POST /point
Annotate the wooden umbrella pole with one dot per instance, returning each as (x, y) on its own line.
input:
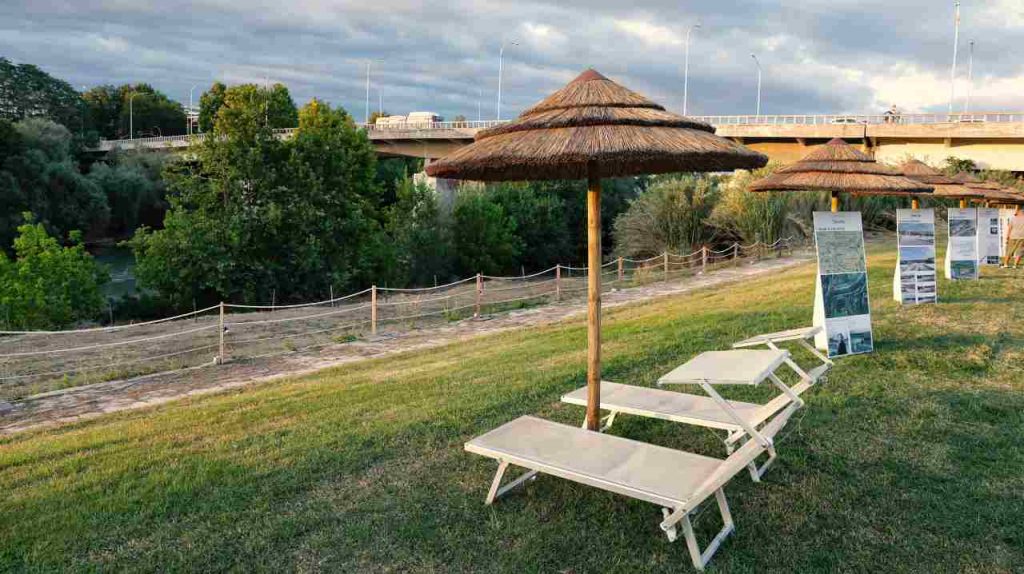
(593, 299)
(835, 201)
(915, 204)
(963, 204)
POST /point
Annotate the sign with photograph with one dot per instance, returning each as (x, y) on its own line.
(841, 304)
(990, 236)
(914, 279)
(962, 251)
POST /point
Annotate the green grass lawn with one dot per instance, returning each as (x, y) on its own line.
(910, 459)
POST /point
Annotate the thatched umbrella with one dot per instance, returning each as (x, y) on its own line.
(988, 190)
(840, 168)
(945, 186)
(590, 129)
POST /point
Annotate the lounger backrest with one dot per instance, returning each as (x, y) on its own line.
(739, 459)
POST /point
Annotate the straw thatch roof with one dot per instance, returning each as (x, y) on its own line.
(989, 190)
(594, 126)
(839, 167)
(944, 185)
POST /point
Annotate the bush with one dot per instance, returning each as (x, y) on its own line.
(48, 286)
(748, 217)
(484, 235)
(669, 216)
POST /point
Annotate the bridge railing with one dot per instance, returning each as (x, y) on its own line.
(415, 126)
(863, 119)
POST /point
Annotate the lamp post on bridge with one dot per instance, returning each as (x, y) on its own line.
(131, 115)
(758, 64)
(952, 70)
(190, 108)
(501, 57)
(970, 77)
(686, 66)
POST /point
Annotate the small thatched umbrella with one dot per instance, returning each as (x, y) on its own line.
(840, 168)
(590, 129)
(945, 186)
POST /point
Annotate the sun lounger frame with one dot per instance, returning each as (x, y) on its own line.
(802, 336)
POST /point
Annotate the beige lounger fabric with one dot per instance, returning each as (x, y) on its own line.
(738, 367)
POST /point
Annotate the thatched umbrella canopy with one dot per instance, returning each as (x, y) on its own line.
(840, 168)
(594, 128)
(945, 186)
(988, 191)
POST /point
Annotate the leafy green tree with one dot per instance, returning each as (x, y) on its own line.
(39, 175)
(255, 215)
(209, 104)
(103, 106)
(954, 165)
(114, 111)
(131, 195)
(48, 286)
(670, 216)
(28, 92)
(421, 235)
(484, 236)
(541, 225)
(616, 195)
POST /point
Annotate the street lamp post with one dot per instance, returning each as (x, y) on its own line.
(366, 119)
(970, 77)
(190, 108)
(952, 70)
(501, 57)
(758, 63)
(131, 115)
(686, 67)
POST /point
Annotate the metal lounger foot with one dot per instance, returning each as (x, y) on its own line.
(496, 490)
(700, 558)
(606, 422)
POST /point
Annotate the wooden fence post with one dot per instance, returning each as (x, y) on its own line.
(479, 293)
(220, 356)
(373, 309)
(558, 282)
(665, 257)
(621, 274)
(703, 258)
(736, 251)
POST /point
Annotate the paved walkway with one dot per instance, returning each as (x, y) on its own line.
(90, 401)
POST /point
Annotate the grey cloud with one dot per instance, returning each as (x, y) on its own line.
(442, 56)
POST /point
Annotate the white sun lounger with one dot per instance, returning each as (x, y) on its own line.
(677, 481)
(803, 336)
(738, 419)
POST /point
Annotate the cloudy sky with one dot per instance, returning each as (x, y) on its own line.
(818, 56)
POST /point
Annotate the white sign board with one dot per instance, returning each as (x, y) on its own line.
(841, 295)
(914, 280)
(990, 236)
(962, 251)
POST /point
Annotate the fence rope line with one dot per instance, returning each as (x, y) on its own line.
(475, 295)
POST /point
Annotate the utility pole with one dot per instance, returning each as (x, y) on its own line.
(367, 117)
(686, 67)
(758, 63)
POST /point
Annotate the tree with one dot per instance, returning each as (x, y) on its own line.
(48, 286)
(255, 216)
(751, 217)
(541, 225)
(114, 111)
(38, 174)
(954, 165)
(483, 235)
(615, 197)
(28, 92)
(667, 217)
(377, 114)
(421, 235)
(209, 104)
(103, 106)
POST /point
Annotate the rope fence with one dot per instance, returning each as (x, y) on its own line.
(33, 362)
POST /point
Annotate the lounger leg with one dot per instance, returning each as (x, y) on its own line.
(497, 490)
(700, 559)
(725, 406)
(606, 422)
(816, 352)
(786, 390)
(799, 371)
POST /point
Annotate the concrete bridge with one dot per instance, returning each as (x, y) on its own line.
(992, 140)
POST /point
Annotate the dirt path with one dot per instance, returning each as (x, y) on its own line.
(90, 401)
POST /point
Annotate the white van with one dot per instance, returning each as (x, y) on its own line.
(389, 122)
(423, 119)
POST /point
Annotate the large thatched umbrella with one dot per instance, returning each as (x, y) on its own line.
(590, 129)
(840, 168)
(945, 186)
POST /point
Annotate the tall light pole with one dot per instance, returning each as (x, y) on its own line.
(366, 119)
(131, 115)
(479, 104)
(952, 70)
(686, 67)
(501, 57)
(970, 77)
(758, 63)
(190, 92)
